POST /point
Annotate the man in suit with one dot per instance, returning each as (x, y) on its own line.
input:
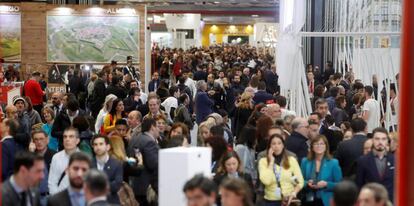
(96, 188)
(8, 130)
(154, 83)
(378, 165)
(146, 144)
(79, 165)
(112, 168)
(57, 102)
(27, 173)
(203, 103)
(349, 151)
(271, 79)
(297, 142)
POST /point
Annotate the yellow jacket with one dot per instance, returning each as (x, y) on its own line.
(109, 126)
(268, 178)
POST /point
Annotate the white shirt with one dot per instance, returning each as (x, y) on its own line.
(59, 163)
(191, 84)
(144, 97)
(374, 114)
(170, 102)
(101, 164)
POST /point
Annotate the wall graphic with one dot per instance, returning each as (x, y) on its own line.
(10, 36)
(95, 39)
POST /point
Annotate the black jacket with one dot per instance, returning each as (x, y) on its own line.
(116, 90)
(130, 104)
(348, 152)
(367, 172)
(296, 143)
(62, 122)
(76, 85)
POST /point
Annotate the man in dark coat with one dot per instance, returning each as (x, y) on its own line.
(271, 79)
(203, 103)
(350, 150)
(297, 141)
(377, 166)
(146, 145)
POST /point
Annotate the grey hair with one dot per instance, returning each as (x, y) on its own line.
(200, 83)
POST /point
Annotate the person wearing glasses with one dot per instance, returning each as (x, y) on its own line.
(321, 173)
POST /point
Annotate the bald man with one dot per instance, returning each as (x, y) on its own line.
(297, 142)
(57, 102)
(134, 122)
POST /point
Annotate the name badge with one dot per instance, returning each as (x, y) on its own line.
(278, 192)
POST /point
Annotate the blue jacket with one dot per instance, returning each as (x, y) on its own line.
(152, 87)
(9, 149)
(367, 172)
(114, 170)
(329, 172)
(204, 106)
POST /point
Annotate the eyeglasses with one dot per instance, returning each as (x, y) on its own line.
(319, 144)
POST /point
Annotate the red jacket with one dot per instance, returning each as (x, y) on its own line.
(33, 90)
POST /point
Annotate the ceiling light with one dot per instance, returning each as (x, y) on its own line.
(255, 15)
(216, 2)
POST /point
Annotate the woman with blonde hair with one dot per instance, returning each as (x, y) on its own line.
(244, 109)
(204, 131)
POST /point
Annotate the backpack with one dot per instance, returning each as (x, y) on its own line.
(126, 195)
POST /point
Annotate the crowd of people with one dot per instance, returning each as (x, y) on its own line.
(100, 140)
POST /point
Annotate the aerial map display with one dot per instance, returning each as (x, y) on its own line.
(10, 37)
(97, 39)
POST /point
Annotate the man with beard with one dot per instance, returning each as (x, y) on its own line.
(79, 165)
(378, 165)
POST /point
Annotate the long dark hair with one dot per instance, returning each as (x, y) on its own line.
(285, 158)
(114, 105)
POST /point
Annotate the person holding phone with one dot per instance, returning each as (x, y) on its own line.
(321, 173)
(279, 173)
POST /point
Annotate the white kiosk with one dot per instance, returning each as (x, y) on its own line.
(176, 166)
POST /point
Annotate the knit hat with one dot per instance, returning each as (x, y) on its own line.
(18, 98)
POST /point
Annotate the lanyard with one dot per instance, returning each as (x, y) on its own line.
(278, 174)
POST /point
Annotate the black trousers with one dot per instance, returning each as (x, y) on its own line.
(316, 202)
